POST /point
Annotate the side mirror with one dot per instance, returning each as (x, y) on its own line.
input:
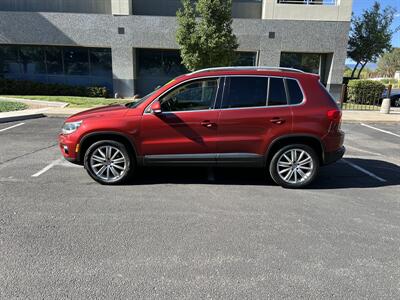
(156, 108)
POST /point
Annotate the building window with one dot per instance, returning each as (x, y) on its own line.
(246, 59)
(308, 62)
(250, 9)
(155, 67)
(67, 65)
(64, 6)
(76, 61)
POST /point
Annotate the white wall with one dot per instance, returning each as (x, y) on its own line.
(340, 12)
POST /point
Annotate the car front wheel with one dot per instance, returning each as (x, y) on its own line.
(294, 166)
(108, 162)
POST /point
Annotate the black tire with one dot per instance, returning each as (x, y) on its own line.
(124, 174)
(310, 175)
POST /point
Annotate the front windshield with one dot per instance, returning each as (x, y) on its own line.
(137, 102)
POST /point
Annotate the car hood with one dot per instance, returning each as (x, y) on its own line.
(110, 110)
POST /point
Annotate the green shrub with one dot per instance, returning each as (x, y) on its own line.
(97, 91)
(364, 91)
(394, 82)
(12, 106)
(22, 87)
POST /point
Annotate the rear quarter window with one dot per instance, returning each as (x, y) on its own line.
(295, 95)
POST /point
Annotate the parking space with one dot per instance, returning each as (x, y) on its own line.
(197, 233)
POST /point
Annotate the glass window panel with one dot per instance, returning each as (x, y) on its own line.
(196, 95)
(78, 80)
(246, 59)
(56, 79)
(171, 63)
(76, 61)
(9, 60)
(150, 62)
(295, 93)
(76, 6)
(32, 60)
(246, 92)
(54, 60)
(277, 93)
(308, 62)
(100, 62)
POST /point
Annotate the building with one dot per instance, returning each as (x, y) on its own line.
(129, 45)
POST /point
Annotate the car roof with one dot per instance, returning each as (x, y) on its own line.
(262, 71)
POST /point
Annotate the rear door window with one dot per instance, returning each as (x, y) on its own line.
(277, 92)
(242, 91)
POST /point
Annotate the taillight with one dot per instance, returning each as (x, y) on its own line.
(334, 115)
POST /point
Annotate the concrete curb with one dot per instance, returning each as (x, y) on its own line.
(36, 102)
(22, 115)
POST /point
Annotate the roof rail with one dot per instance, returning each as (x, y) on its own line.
(247, 68)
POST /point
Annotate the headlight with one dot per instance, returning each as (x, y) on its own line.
(70, 127)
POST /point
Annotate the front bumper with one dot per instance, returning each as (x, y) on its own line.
(331, 157)
(68, 148)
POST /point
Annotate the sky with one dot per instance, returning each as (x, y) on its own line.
(360, 5)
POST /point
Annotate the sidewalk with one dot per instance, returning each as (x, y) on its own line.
(22, 115)
(36, 103)
(356, 116)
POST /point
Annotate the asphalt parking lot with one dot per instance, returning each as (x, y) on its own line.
(188, 234)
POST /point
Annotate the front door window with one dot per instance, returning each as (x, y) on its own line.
(195, 95)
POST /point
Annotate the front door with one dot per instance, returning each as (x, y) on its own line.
(187, 126)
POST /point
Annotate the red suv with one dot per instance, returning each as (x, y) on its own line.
(279, 119)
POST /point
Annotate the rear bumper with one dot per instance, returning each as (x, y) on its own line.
(331, 157)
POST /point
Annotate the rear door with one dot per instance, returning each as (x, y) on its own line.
(254, 110)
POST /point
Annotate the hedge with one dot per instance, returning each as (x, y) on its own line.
(23, 87)
(362, 91)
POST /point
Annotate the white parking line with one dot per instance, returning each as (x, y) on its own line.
(364, 171)
(7, 128)
(363, 151)
(381, 130)
(46, 168)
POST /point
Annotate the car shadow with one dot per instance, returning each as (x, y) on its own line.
(334, 176)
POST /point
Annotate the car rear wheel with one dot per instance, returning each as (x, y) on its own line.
(294, 166)
(108, 162)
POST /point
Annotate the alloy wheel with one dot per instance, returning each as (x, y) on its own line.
(295, 166)
(108, 163)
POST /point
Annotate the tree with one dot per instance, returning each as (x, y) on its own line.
(208, 41)
(389, 63)
(370, 36)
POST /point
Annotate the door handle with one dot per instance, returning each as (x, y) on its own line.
(278, 121)
(208, 124)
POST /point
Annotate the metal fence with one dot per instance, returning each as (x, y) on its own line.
(362, 99)
(308, 2)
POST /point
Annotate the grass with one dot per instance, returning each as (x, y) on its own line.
(75, 102)
(12, 106)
